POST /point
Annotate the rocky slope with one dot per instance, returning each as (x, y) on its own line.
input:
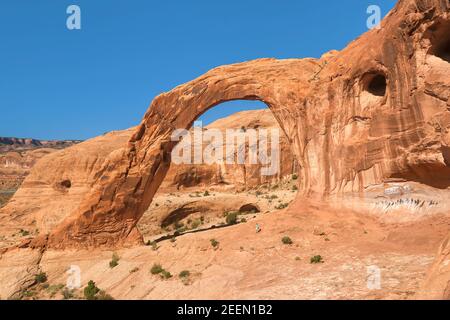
(18, 156)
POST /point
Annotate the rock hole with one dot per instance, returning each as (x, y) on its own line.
(376, 85)
(66, 184)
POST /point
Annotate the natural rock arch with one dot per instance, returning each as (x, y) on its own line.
(129, 180)
(346, 131)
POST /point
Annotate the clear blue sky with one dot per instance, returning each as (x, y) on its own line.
(61, 84)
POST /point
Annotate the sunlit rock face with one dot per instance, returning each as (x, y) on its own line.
(376, 111)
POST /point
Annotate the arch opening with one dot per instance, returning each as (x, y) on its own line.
(198, 195)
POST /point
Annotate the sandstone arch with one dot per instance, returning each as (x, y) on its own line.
(343, 139)
(128, 182)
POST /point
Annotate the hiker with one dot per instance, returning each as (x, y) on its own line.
(258, 228)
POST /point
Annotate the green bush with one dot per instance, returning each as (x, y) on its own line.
(214, 243)
(114, 261)
(195, 224)
(231, 218)
(294, 188)
(286, 240)
(91, 290)
(24, 233)
(184, 274)
(157, 268)
(294, 177)
(166, 274)
(54, 289)
(153, 244)
(282, 206)
(41, 277)
(316, 259)
(206, 194)
(28, 293)
(178, 225)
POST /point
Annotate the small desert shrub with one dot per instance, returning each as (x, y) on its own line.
(184, 274)
(214, 243)
(114, 261)
(294, 177)
(178, 225)
(156, 269)
(54, 289)
(316, 259)
(231, 218)
(282, 206)
(294, 188)
(24, 233)
(258, 193)
(206, 194)
(286, 240)
(67, 294)
(90, 291)
(166, 274)
(28, 293)
(41, 277)
(243, 220)
(195, 224)
(153, 244)
(274, 196)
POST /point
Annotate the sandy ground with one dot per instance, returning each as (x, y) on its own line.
(250, 265)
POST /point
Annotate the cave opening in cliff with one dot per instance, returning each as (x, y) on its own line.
(439, 36)
(196, 194)
(443, 51)
(376, 84)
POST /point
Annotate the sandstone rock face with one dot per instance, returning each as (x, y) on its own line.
(18, 156)
(58, 182)
(234, 176)
(14, 167)
(437, 283)
(378, 109)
